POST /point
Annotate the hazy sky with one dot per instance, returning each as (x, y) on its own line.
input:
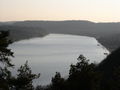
(93, 10)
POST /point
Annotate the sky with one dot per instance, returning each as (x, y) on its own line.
(92, 10)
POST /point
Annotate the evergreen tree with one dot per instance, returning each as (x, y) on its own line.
(57, 82)
(5, 61)
(25, 77)
(82, 75)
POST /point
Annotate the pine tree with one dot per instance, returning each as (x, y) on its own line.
(25, 78)
(82, 75)
(5, 61)
(57, 82)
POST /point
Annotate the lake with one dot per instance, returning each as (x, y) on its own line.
(55, 52)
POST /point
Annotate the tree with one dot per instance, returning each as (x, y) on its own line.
(115, 82)
(40, 88)
(5, 61)
(82, 76)
(112, 82)
(25, 78)
(57, 82)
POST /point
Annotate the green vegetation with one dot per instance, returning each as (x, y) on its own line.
(82, 76)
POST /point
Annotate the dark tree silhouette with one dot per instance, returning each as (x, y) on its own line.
(82, 75)
(5, 61)
(25, 77)
(110, 68)
(57, 82)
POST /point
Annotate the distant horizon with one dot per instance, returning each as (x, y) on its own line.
(59, 10)
(61, 20)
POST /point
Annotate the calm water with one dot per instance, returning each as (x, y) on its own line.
(55, 52)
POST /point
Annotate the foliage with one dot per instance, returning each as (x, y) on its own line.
(25, 78)
(5, 61)
(82, 75)
(57, 82)
(5, 53)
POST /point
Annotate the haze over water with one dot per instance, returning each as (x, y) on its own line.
(55, 52)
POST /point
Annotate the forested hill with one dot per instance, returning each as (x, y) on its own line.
(108, 34)
(20, 33)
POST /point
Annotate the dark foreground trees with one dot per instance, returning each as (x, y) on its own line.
(24, 78)
(57, 82)
(110, 68)
(5, 61)
(82, 76)
(89, 76)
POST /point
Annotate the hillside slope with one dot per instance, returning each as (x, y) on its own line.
(108, 34)
(19, 33)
